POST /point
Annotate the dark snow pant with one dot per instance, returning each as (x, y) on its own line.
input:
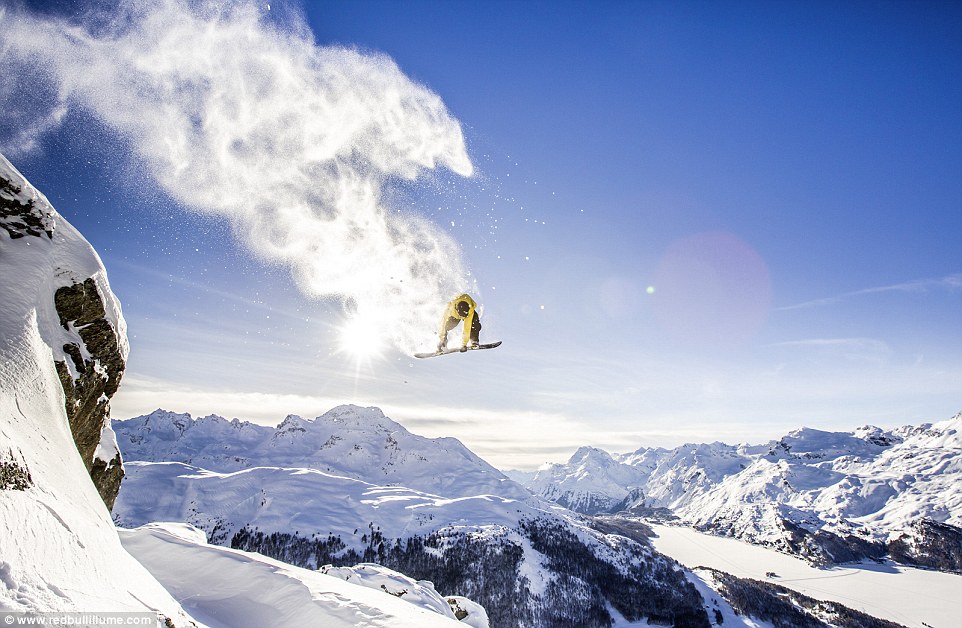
(452, 322)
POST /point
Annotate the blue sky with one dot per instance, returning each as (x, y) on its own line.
(687, 222)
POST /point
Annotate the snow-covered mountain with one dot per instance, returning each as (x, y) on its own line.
(527, 562)
(353, 486)
(828, 496)
(591, 482)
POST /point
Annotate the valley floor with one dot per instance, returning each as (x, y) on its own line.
(912, 597)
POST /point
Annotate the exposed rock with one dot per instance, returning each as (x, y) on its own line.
(929, 544)
(22, 218)
(827, 548)
(14, 474)
(92, 381)
(459, 612)
(97, 359)
(106, 477)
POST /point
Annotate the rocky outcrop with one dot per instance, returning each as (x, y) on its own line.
(92, 381)
(825, 548)
(22, 217)
(59, 549)
(14, 474)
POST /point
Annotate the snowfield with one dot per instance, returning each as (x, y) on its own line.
(287, 500)
(912, 597)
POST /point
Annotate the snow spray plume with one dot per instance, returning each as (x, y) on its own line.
(292, 142)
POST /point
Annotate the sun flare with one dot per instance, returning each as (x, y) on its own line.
(360, 338)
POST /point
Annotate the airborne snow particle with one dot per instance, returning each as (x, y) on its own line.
(298, 145)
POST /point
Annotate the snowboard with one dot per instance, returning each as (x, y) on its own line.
(490, 345)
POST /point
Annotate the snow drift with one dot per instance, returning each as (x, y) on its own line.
(225, 587)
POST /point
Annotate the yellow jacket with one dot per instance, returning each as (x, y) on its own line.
(452, 312)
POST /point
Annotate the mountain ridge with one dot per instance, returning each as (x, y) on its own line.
(828, 496)
(526, 561)
(347, 440)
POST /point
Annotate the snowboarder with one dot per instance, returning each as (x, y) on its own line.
(461, 308)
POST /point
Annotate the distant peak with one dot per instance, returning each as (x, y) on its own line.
(161, 412)
(352, 416)
(955, 422)
(214, 418)
(876, 436)
(590, 453)
(165, 416)
(351, 411)
(291, 422)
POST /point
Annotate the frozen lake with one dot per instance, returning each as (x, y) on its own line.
(913, 597)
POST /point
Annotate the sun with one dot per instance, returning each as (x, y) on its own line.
(360, 338)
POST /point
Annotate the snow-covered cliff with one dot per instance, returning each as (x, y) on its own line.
(59, 550)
